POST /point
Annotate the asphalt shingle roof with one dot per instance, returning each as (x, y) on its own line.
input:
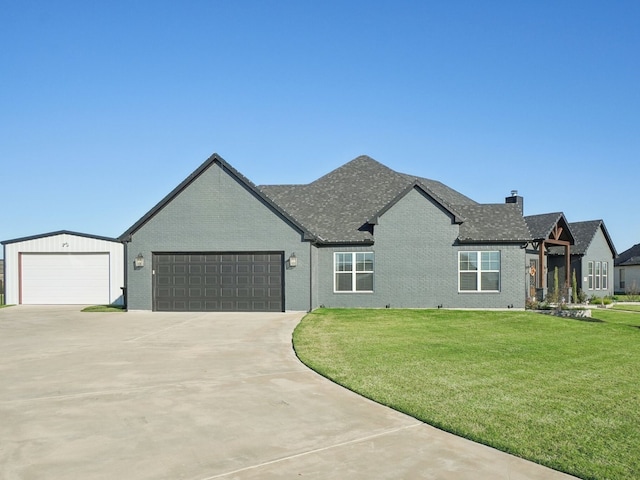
(583, 233)
(342, 205)
(492, 222)
(629, 257)
(540, 226)
(336, 207)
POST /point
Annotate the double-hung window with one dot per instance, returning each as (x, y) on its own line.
(353, 272)
(598, 275)
(479, 271)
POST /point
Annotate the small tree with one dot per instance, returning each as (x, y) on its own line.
(574, 288)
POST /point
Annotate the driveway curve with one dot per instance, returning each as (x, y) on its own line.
(203, 396)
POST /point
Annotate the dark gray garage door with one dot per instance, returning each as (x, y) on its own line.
(241, 282)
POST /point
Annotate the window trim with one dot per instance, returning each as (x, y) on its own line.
(354, 271)
(604, 283)
(479, 271)
(590, 275)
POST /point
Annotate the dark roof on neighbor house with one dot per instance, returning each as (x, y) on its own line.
(541, 226)
(59, 232)
(342, 206)
(629, 257)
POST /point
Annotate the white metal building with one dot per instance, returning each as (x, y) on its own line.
(64, 267)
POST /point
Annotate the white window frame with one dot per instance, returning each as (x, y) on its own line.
(354, 271)
(605, 276)
(479, 270)
(590, 276)
(598, 276)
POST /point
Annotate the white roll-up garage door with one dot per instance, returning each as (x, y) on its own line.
(64, 278)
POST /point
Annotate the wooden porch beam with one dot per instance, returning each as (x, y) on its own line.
(557, 231)
(542, 276)
(558, 242)
(567, 263)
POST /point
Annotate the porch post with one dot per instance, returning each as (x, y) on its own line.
(567, 256)
(542, 278)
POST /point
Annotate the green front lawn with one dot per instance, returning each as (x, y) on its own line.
(630, 308)
(104, 308)
(561, 392)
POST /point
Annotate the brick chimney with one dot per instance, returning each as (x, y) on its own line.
(517, 199)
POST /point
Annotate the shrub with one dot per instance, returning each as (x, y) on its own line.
(582, 297)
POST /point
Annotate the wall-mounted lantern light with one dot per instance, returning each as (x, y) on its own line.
(138, 262)
(293, 260)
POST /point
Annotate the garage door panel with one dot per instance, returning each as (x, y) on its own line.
(164, 269)
(163, 305)
(58, 279)
(232, 282)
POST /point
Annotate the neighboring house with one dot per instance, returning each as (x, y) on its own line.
(2, 275)
(627, 271)
(592, 258)
(361, 236)
(64, 267)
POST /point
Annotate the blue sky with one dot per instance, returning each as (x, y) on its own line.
(106, 106)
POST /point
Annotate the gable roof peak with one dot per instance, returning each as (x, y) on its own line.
(59, 232)
(541, 225)
(359, 167)
(224, 165)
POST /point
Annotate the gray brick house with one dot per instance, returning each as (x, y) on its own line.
(363, 235)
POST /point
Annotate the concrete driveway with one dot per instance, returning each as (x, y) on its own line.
(137, 396)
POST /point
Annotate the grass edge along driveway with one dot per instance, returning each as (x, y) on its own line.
(559, 392)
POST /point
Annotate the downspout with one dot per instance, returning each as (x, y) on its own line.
(125, 255)
(310, 276)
